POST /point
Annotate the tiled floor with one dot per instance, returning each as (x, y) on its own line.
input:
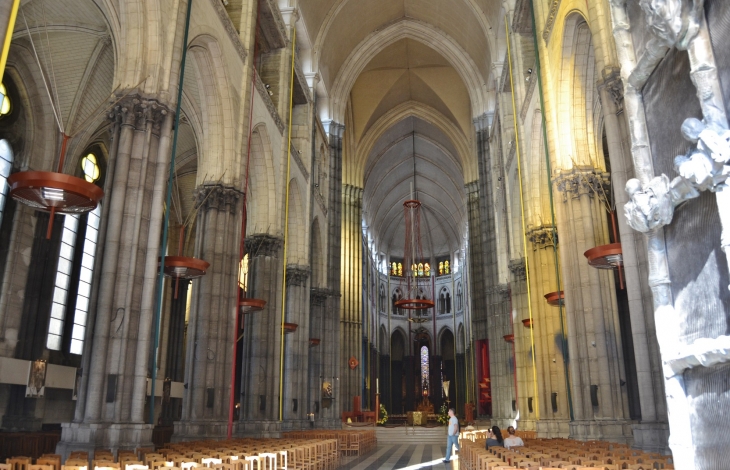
(403, 457)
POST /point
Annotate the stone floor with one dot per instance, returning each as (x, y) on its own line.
(402, 457)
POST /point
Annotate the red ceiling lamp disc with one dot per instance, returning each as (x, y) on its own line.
(54, 192)
(290, 327)
(249, 305)
(555, 299)
(185, 267)
(49, 191)
(314, 341)
(605, 256)
(527, 322)
(509, 338)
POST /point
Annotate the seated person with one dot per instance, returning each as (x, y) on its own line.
(494, 437)
(512, 440)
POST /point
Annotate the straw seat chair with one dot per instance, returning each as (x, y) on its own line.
(19, 463)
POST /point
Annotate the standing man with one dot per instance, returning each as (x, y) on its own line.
(453, 437)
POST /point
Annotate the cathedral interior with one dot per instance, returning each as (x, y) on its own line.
(513, 208)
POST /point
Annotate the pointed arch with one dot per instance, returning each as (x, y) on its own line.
(418, 31)
(217, 112)
(262, 208)
(297, 229)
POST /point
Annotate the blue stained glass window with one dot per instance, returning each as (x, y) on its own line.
(424, 368)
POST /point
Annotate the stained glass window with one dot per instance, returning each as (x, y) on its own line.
(243, 273)
(400, 269)
(427, 269)
(394, 269)
(4, 101)
(420, 269)
(6, 165)
(441, 268)
(424, 369)
(446, 267)
(90, 168)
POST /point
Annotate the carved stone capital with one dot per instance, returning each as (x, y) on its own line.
(263, 244)
(579, 181)
(218, 197)
(139, 112)
(612, 88)
(518, 269)
(318, 296)
(297, 275)
(501, 289)
(543, 236)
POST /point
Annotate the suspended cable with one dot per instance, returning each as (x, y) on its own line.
(522, 218)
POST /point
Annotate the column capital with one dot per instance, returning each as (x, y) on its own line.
(217, 196)
(582, 180)
(138, 111)
(543, 236)
(263, 244)
(297, 275)
(518, 269)
(612, 89)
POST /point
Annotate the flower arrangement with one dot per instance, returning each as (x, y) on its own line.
(443, 416)
(384, 415)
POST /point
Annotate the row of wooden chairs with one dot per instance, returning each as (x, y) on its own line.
(357, 442)
(546, 455)
(238, 454)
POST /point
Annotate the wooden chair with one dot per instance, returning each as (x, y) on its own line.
(54, 461)
(19, 463)
(74, 467)
(75, 462)
(40, 467)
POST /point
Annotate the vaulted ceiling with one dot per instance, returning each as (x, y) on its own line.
(407, 78)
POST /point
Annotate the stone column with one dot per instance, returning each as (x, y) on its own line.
(599, 400)
(212, 316)
(317, 304)
(652, 434)
(548, 334)
(296, 347)
(351, 314)
(492, 319)
(114, 393)
(262, 339)
(175, 363)
(522, 361)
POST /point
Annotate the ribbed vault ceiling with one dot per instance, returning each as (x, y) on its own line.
(412, 100)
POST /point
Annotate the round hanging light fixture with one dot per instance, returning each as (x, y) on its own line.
(605, 256)
(509, 338)
(54, 192)
(290, 327)
(555, 299)
(185, 267)
(527, 322)
(415, 285)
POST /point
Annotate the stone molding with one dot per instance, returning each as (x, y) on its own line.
(297, 275)
(230, 29)
(298, 160)
(272, 24)
(522, 18)
(614, 87)
(518, 269)
(320, 200)
(543, 236)
(218, 197)
(530, 90)
(263, 244)
(550, 22)
(264, 93)
(579, 181)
